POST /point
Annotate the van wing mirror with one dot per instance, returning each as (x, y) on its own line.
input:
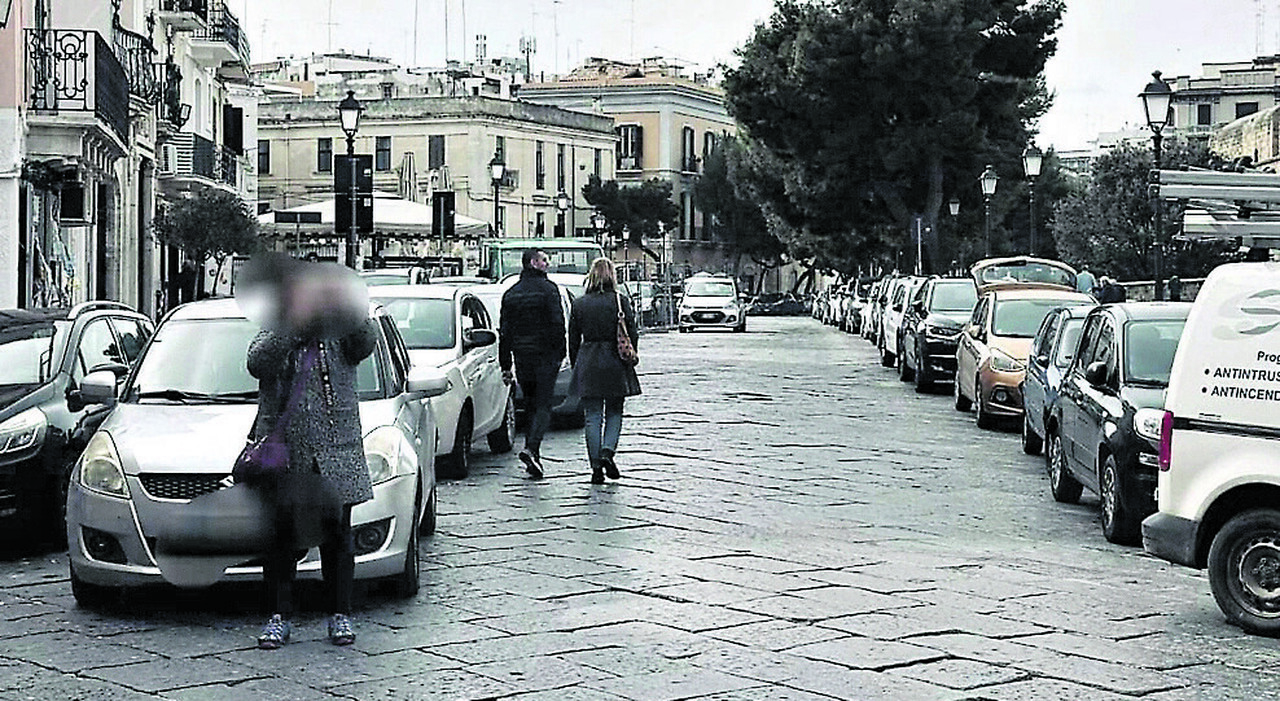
(1096, 373)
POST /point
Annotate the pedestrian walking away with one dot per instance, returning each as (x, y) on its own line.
(1086, 282)
(306, 365)
(601, 377)
(531, 338)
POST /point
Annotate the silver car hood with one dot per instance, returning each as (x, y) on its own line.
(198, 438)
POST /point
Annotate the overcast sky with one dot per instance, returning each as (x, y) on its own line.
(1107, 48)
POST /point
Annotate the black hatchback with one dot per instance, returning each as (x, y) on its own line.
(930, 330)
(44, 422)
(1104, 431)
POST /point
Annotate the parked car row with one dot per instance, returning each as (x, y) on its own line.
(1164, 410)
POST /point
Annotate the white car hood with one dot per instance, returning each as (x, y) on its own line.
(708, 302)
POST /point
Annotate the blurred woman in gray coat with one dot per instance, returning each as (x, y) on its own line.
(600, 376)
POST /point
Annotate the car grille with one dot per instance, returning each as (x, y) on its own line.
(184, 487)
(708, 317)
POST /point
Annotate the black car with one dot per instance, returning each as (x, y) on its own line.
(931, 328)
(1051, 353)
(44, 422)
(1104, 432)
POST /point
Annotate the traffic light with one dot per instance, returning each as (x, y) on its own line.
(442, 219)
(342, 193)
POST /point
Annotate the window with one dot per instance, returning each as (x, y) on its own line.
(630, 147)
(500, 148)
(1069, 337)
(559, 167)
(540, 226)
(540, 166)
(560, 225)
(388, 91)
(1244, 109)
(501, 225)
(708, 144)
(324, 155)
(133, 334)
(688, 159)
(1204, 115)
(684, 215)
(97, 348)
(595, 162)
(264, 157)
(435, 151)
(382, 153)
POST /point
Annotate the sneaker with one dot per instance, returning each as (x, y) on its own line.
(340, 632)
(532, 464)
(610, 467)
(597, 474)
(274, 634)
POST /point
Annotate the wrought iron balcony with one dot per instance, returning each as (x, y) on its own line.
(135, 54)
(75, 70)
(199, 8)
(225, 40)
(191, 155)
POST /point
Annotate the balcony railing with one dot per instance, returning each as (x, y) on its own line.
(135, 54)
(188, 154)
(223, 26)
(195, 7)
(74, 70)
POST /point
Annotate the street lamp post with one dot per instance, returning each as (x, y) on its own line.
(989, 180)
(349, 115)
(953, 206)
(562, 206)
(497, 169)
(1032, 159)
(597, 225)
(1156, 99)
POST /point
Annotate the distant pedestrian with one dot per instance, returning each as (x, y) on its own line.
(1086, 282)
(600, 376)
(531, 336)
(1175, 289)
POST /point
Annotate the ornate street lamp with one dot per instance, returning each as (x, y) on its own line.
(954, 206)
(497, 170)
(349, 111)
(989, 180)
(1032, 159)
(598, 223)
(562, 206)
(1156, 101)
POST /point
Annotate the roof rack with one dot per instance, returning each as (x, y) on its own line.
(97, 304)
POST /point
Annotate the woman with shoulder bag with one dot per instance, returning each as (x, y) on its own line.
(602, 343)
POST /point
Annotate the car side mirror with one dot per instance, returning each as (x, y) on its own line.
(478, 338)
(1096, 373)
(99, 387)
(427, 381)
(1042, 360)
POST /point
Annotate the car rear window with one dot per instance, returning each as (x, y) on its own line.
(1021, 318)
(1149, 349)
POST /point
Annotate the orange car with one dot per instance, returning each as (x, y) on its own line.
(1015, 294)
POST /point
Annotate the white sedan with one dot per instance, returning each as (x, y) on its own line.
(448, 328)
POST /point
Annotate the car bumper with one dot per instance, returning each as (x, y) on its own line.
(711, 319)
(1171, 538)
(110, 543)
(1001, 393)
(941, 357)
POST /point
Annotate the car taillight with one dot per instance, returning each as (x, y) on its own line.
(1166, 441)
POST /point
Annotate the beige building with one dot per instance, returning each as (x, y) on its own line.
(426, 144)
(1223, 93)
(666, 123)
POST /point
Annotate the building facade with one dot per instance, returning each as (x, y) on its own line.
(666, 123)
(1223, 93)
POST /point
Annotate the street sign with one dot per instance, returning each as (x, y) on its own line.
(442, 214)
(343, 175)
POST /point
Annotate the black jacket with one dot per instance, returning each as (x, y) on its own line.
(532, 325)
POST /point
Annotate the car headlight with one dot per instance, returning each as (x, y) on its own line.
(731, 306)
(389, 454)
(1147, 423)
(23, 431)
(1003, 362)
(100, 469)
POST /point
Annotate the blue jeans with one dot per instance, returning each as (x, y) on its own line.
(603, 425)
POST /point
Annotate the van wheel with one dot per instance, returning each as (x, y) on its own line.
(962, 402)
(1065, 488)
(1118, 524)
(1244, 571)
(1031, 441)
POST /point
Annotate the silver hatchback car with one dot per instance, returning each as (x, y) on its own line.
(174, 434)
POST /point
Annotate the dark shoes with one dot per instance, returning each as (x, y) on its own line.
(340, 632)
(274, 634)
(597, 474)
(532, 464)
(610, 467)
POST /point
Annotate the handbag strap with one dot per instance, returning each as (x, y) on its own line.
(617, 297)
(299, 385)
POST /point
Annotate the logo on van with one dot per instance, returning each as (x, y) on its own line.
(1254, 315)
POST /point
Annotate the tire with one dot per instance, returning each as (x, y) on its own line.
(457, 464)
(905, 373)
(502, 438)
(924, 381)
(982, 417)
(1243, 564)
(1119, 525)
(684, 329)
(406, 584)
(962, 402)
(428, 524)
(1031, 441)
(1065, 488)
(886, 358)
(95, 596)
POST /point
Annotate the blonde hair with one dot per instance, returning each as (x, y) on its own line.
(601, 277)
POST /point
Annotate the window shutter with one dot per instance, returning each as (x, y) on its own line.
(639, 147)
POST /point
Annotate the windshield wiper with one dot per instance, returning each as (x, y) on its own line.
(186, 397)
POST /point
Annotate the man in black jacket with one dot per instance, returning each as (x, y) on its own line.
(532, 335)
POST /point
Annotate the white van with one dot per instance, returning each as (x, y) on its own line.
(1218, 489)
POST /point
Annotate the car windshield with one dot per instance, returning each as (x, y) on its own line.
(1025, 271)
(1021, 318)
(576, 261)
(1149, 349)
(25, 352)
(957, 296)
(708, 288)
(379, 279)
(204, 360)
(1068, 339)
(424, 323)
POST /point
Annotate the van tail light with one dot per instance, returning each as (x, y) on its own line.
(1166, 441)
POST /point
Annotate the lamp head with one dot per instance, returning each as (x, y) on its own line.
(1032, 159)
(1156, 98)
(954, 206)
(989, 180)
(497, 168)
(349, 114)
(562, 201)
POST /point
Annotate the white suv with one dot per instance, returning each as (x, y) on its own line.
(1218, 489)
(711, 301)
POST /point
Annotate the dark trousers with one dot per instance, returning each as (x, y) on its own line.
(537, 378)
(337, 564)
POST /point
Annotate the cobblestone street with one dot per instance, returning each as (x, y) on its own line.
(792, 523)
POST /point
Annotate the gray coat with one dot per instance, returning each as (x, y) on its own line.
(593, 347)
(324, 430)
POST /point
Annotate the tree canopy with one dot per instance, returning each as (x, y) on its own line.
(633, 212)
(210, 223)
(870, 113)
(735, 215)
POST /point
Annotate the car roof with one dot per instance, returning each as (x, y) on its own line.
(1004, 292)
(220, 308)
(416, 291)
(1153, 311)
(23, 317)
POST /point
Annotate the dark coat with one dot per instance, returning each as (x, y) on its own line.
(532, 321)
(324, 430)
(593, 346)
